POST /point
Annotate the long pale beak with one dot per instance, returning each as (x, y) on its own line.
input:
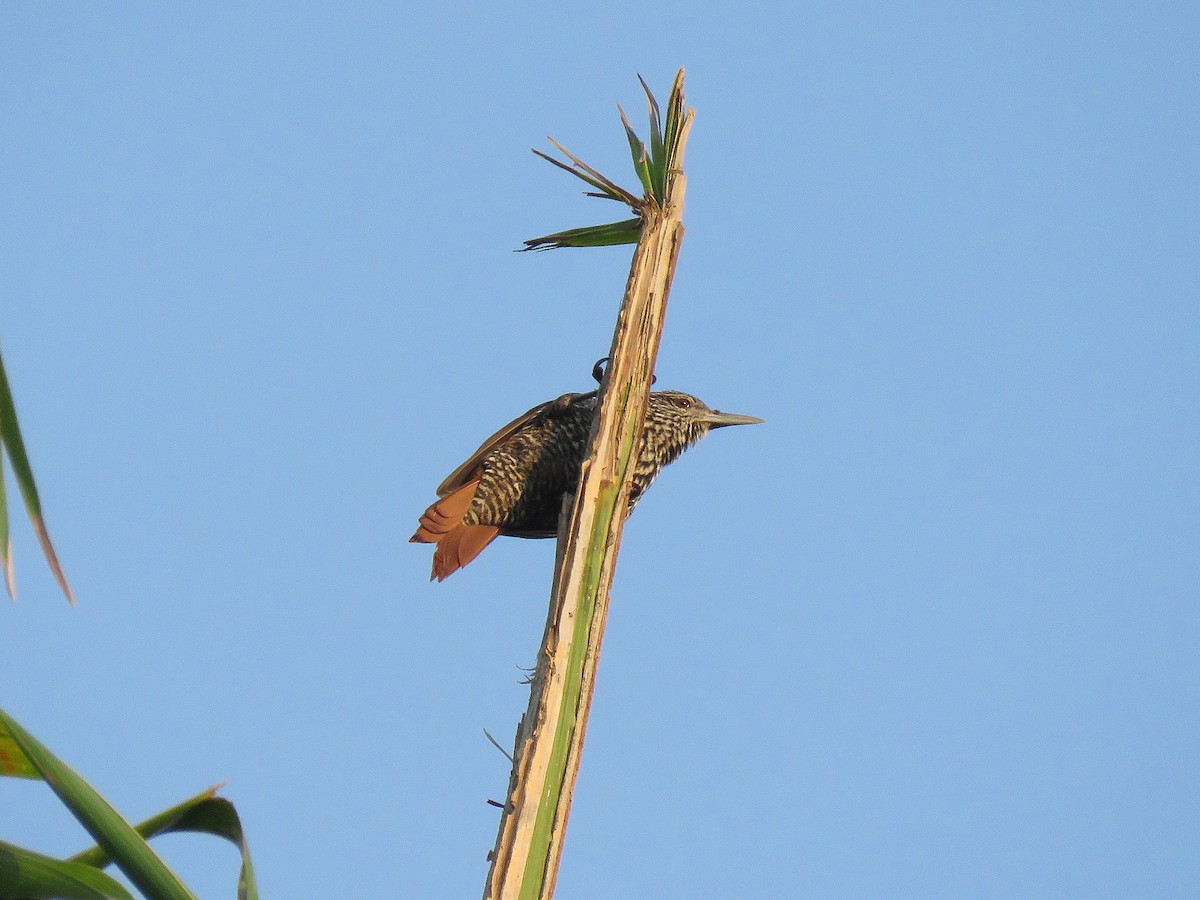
(718, 419)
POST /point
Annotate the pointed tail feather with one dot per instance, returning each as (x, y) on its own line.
(457, 544)
(445, 514)
(459, 547)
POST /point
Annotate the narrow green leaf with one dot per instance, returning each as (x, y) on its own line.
(6, 558)
(595, 173)
(675, 117)
(656, 132)
(641, 163)
(218, 816)
(593, 177)
(10, 439)
(203, 813)
(128, 849)
(599, 196)
(161, 823)
(658, 155)
(612, 234)
(32, 876)
(596, 183)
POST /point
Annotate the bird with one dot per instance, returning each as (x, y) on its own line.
(514, 483)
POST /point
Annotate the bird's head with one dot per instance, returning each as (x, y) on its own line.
(675, 421)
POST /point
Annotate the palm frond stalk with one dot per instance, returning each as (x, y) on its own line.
(550, 736)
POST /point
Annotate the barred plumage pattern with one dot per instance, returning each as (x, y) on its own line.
(523, 480)
(514, 484)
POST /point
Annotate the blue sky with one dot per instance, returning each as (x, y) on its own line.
(929, 632)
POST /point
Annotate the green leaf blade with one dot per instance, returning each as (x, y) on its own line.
(32, 876)
(204, 813)
(613, 234)
(14, 446)
(129, 850)
(658, 154)
(6, 557)
(641, 162)
(602, 187)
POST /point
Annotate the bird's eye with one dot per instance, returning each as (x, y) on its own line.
(686, 403)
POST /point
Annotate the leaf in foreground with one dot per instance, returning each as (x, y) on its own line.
(32, 876)
(129, 850)
(12, 443)
(205, 814)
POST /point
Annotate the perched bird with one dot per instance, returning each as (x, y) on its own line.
(515, 482)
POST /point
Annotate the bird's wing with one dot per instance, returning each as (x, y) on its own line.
(466, 471)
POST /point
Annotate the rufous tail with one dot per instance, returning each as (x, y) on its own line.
(457, 544)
